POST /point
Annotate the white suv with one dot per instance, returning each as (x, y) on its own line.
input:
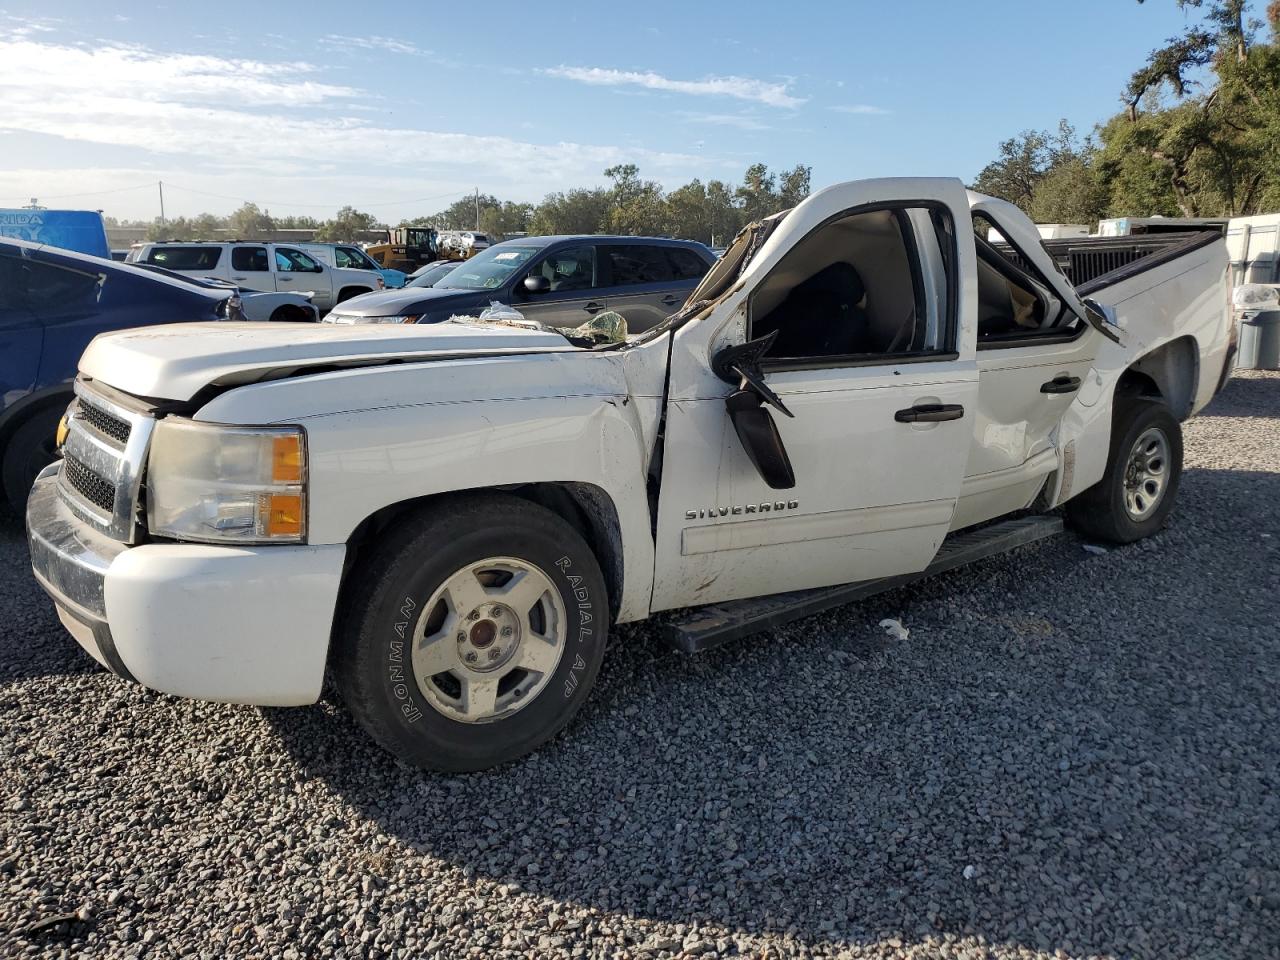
(261, 266)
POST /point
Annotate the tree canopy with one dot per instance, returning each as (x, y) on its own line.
(1199, 135)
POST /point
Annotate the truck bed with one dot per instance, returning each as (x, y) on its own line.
(1092, 263)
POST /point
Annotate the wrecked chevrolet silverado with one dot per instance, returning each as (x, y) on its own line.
(449, 520)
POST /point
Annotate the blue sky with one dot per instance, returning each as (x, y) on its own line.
(400, 108)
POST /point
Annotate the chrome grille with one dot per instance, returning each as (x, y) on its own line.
(107, 424)
(101, 493)
(103, 459)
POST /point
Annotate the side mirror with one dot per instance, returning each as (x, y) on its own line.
(760, 438)
(536, 283)
(756, 430)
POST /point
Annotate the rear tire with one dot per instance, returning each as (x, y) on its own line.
(31, 448)
(1144, 468)
(473, 633)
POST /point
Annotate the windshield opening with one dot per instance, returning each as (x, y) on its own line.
(489, 269)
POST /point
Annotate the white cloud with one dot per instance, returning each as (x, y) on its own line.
(251, 120)
(742, 121)
(390, 44)
(19, 28)
(135, 74)
(740, 88)
(862, 109)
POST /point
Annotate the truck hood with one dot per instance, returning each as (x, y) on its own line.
(177, 361)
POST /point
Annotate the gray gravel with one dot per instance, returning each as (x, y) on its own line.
(1073, 754)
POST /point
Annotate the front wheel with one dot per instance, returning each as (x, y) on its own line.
(1144, 468)
(474, 634)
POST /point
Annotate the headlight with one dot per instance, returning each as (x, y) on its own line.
(225, 484)
(350, 318)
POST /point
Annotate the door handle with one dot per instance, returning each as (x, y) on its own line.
(670, 300)
(1061, 384)
(285, 279)
(239, 278)
(592, 307)
(930, 413)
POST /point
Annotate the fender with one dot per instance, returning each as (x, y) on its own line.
(1181, 301)
(53, 395)
(377, 437)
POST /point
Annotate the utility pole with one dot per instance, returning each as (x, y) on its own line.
(477, 208)
(160, 184)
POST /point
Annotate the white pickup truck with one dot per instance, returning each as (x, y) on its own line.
(449, 519)
(265, 267)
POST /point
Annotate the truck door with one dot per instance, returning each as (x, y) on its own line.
(863, 295)
(251, 269)
(1034, 352)
(298, 273)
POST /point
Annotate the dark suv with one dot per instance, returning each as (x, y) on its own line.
(560, 281)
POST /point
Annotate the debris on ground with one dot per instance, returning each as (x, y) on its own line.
(894, 628)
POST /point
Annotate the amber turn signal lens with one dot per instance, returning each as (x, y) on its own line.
(283, 514)
(61, 437)
(286, 459)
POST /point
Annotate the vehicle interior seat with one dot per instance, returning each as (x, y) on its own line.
(566, 273)
(823, 315)
(1005, 306)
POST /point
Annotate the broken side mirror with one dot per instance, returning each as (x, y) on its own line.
(1104, 318)
(760, 438)
(754, 425)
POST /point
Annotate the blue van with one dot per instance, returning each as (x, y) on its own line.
(80, 230)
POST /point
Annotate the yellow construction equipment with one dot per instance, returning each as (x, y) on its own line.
(407, 248)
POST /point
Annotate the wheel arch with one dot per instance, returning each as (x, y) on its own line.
(584, 506)
(346, 293)
(18, 413)
(1171, 372)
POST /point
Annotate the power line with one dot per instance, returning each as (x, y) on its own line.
(97, 193)
(330, 204)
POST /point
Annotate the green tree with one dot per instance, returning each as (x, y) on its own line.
(1215, 149)
(793, 185)
(1023, 163)
(574, 211)
(346, 226)
(757, 196)
(250, 223)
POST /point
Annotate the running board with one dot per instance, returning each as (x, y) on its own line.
(702, 628)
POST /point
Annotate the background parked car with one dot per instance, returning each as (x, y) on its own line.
(261, 266)
(52, 303)
(560, 281)
(254, 304)
(348, 256)
(429, 275)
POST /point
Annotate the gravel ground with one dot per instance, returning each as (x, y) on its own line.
(1072, 754)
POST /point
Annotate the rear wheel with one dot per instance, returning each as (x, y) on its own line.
(31, 448)
(474, 634)
(1144, 468)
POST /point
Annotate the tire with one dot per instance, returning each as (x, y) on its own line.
(288, 314)
(30, 449)
(348, 292)
(415, 586)
(1138, 489)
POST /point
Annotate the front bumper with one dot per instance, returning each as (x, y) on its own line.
(238, 624)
